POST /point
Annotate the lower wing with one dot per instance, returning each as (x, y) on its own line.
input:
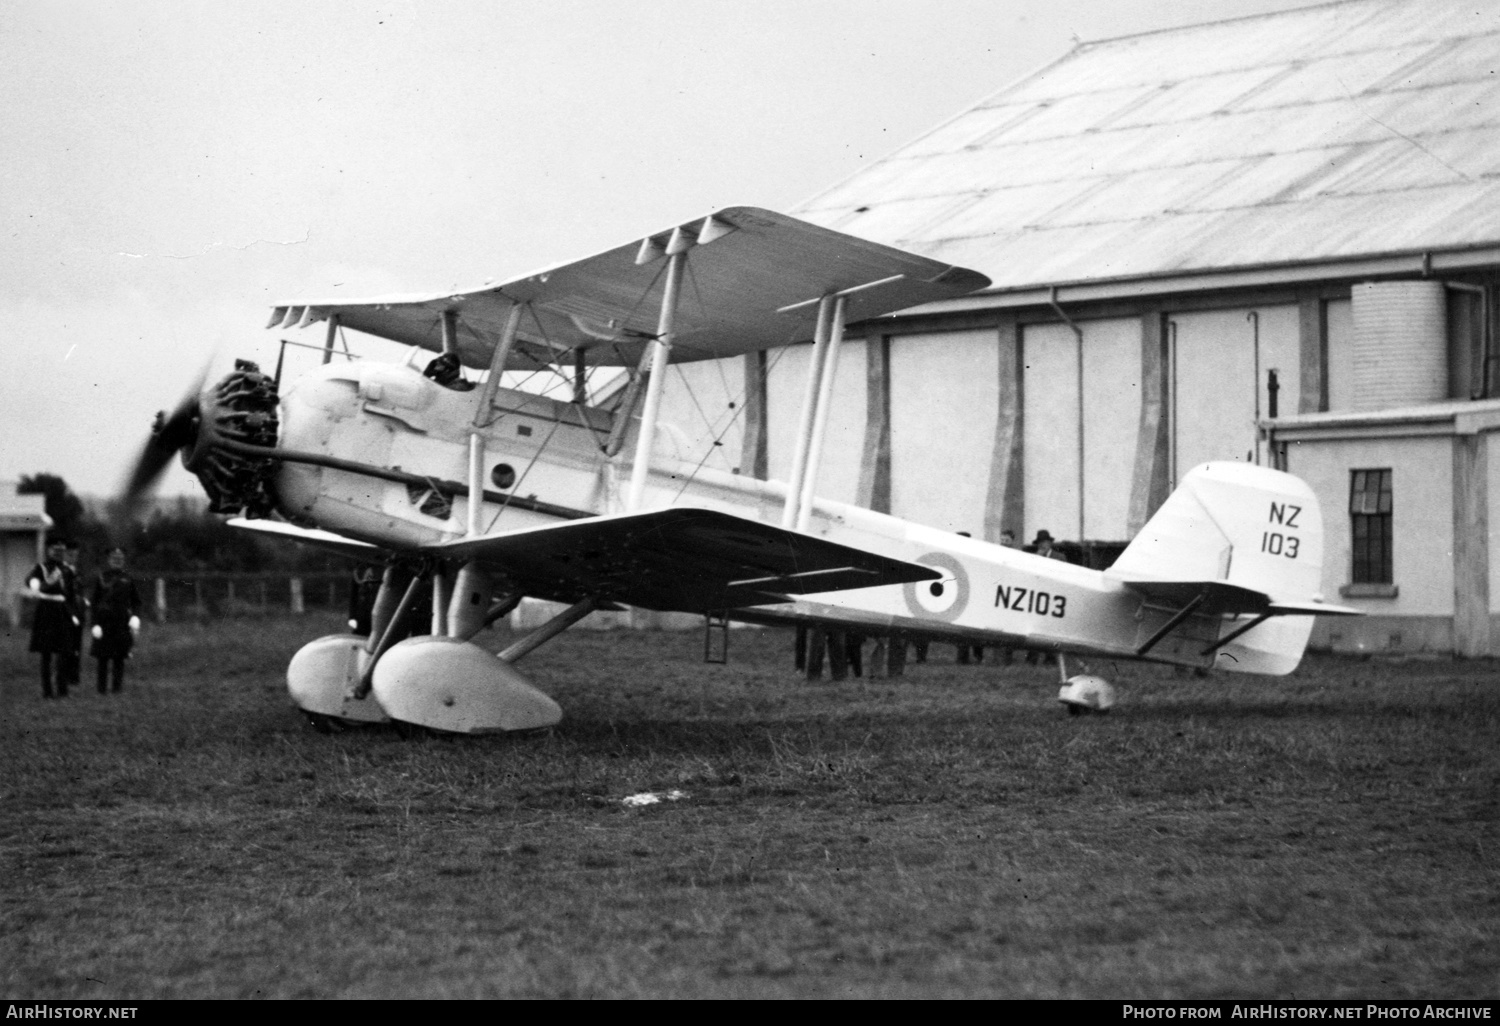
(683, 559)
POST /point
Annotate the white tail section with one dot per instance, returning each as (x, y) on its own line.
(1257, 531)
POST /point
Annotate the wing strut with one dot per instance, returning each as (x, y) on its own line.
(661, 348)
(817, 399)
(820, 418)
(482, 415)
(332, 336)
(1226, 639)
(549, 630)
(1171, 625)
(810, 402)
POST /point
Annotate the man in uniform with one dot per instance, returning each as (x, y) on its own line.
(69, 669)
(54, 628)
(117, 607)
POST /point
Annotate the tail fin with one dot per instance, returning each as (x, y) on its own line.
(1232, 548)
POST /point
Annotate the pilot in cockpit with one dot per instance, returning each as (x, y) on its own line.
(446, 371)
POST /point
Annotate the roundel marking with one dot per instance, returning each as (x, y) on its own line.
(943, 599)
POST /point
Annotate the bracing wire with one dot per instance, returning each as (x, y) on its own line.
(739, 409)
(515, 489)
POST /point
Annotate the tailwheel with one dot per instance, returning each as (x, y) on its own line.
(1086, 693)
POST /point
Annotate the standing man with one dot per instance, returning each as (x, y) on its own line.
(966, 651)
(69, 668)
(1043, 545)
(55, 626)
(1004, 654)
(117, 607)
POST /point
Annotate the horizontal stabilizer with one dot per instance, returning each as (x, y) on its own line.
(1221, 598)
(687, 560)
(1313, 609)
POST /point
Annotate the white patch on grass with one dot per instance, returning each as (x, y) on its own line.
(635, 801)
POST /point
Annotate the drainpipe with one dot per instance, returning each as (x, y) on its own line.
(1254, 318)
(1078, 333)
(1172, 400)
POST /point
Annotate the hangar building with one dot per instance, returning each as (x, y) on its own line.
(1273, 239)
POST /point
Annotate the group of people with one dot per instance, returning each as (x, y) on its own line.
(110, 609)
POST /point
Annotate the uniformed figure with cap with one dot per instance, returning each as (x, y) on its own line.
(54, 628)
(117, 620)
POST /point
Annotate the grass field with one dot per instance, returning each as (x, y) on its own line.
(952, 833)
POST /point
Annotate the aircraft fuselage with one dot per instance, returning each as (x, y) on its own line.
(538, 452)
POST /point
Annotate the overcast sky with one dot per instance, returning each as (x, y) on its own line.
(169, 171)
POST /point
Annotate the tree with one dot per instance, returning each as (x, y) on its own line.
(65, 508)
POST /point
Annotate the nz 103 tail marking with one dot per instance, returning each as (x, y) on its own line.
(1281, 543)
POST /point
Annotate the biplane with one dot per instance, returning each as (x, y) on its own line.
(476, 495)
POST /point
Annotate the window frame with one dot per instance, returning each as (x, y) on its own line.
(1371, 519)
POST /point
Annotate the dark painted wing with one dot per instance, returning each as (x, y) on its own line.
(688, 560)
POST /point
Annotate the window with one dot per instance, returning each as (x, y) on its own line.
(1370, 513)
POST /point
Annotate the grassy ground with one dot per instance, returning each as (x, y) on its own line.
(1333, 833)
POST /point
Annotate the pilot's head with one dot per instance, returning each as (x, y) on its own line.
(444, 369)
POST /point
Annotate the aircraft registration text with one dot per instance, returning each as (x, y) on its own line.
(1029, 600)
(1281, 543)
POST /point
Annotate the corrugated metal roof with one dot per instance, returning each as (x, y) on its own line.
(1331, 132)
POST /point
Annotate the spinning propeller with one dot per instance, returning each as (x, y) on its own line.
(227, 436)
(170, 434)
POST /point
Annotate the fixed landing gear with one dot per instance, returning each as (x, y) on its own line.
(457, 687)
(438, 682)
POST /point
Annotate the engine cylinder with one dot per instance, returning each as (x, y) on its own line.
(240, 408)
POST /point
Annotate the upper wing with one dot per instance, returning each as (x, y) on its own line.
(744, 264)
(690, 560)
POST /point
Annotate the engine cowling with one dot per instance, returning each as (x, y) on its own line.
(241, 408)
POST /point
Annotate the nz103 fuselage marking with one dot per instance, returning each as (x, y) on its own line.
(1030, 600)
